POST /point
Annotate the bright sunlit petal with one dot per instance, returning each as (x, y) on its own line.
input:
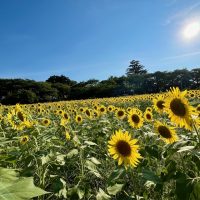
(191, 30)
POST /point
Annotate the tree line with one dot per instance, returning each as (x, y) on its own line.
(136, 81)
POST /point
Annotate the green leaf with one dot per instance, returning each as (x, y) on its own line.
(196, 192)
(21, 189)
(7, 177)
(150, 176)
(45, 159)
(80, 193)
(90, 143)
(92, 168)
(183, 186)
(101, 195)
(95, 161)
(116, 174)
(72, 153)
(61, 159)
(186, 148)
(14, 188)
(114, 189)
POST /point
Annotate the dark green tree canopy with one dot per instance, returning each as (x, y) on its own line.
(58, 88)
(61, 79)
(135, 68)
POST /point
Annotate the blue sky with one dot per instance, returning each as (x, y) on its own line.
(85, 39)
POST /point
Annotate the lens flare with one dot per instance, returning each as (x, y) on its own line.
(191, 30)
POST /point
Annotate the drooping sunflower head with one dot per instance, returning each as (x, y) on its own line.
(135, 118)
(24, 139)
(124, 149)
(20, 116)
(166, 133)
(158, 104)
(178, 108)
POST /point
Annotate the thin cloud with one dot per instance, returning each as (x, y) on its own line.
(182, 55)
(182, 14)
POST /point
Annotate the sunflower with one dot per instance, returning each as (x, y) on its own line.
(178, 108)
(59, 112)
(46, 122)
(66, 116)
(148, 116)
(159, 104)
(102, 109)
(81, 109)
(167, 134)
(135, 118)
(149, 109)
(79, 119)
(95, 113)
(123, 148)
(120, 113)
(18, 119)
(20, 116)
(110, 108)
(198, 108)
(24, 139)
(88, 113)
(128, 109)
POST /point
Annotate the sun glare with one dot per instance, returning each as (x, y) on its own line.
(191, 30)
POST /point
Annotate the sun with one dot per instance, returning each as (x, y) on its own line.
(191, 30)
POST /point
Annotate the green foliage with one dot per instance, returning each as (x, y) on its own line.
(58, 88)
(13, 187)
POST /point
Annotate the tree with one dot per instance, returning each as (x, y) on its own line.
(135, 68)
(60, 79)
(63, 90)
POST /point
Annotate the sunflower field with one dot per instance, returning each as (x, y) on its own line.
(131, 147)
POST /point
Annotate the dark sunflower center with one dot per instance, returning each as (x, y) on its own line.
(148, 116)
(198, 108)
(87, 112)
(66, 116)
(160, 104)
(24, 139)
(123, 148)
(135, 118)
(178, 107)
(46, 121)
(102, 109)
(164, 132)
(79, 119)
(120, 113)
(20, 116)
